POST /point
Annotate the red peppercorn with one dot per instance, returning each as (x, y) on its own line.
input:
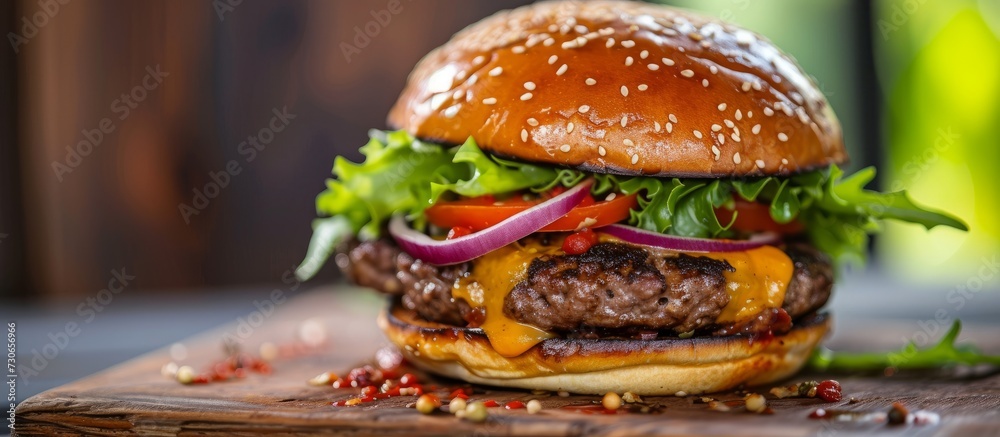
(458, 231)
(829, 390)
(579, 242)
(407, 380)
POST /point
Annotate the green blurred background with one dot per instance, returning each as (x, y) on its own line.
(916, 84)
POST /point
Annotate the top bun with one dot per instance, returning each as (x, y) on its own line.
(622, 87)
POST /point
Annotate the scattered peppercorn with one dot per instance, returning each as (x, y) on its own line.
(476, 412)
(612, 401)
(897, 414)
(534, 406)
(427, 403)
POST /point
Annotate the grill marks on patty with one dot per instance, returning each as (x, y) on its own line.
(610, 288)
(619, 286)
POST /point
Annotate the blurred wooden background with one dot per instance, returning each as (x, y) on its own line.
(227, 68)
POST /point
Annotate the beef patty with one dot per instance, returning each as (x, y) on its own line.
(612, 287)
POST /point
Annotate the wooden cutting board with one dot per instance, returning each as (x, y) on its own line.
(134, 398)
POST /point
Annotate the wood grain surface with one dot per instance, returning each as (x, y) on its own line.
(134, 398)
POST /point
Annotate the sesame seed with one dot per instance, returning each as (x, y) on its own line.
(569, 128)
(518, 49)
(722, 106)
(687, 73)
(697, 134)
(611, 197)
(644, 54)
(451, 112)
(490, 101)
(784, 161)
(704, 83)
(530, 86)
(569, 44)
(606, 31)
(749, 114)
(624, 120)
(756, 86)
(760, 163)
(590, 81)
(696, 36)
(526, 96)
(496, 71)
(628, 43)
(729, 123)
(562, 70)
(643, 87)
(564, 147)
(716, 128)
(667, 61)
(736, 158)
(782, 136)
(473, 79)
(548, 42)
(524, 135)
(744, 38)
(628, 61)
(735, 136)
(713, 69)
(532, 122)
(768, 112)
(628, 142)
(716, 152)
(802, 115)
(670, 127)
(553, 27)
(553, 59)
(579, 28)
(653, 67)
(584, 109)
(755, 129)
(460, 76)
(635, 158)
(601, 151)
(739, 115)
(610, 43)
(478, 60)
(456, 95)
(656, 126)
(624, 91)
(745, 87)
(672, 118)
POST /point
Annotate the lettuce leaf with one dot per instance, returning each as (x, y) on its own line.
(403, 175)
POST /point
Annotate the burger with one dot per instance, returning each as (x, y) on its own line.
(604, 196)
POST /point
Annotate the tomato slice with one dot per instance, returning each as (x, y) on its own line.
(479, 213)
(755, 217)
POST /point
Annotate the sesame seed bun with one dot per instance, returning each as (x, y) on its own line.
(597, 366)
(625, 88)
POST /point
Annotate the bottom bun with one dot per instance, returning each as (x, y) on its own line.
(597, 366)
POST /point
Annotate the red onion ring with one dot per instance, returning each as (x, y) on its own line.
(472, 246)
(687, 244)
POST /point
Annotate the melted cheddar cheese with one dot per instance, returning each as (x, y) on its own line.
(759, 282)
